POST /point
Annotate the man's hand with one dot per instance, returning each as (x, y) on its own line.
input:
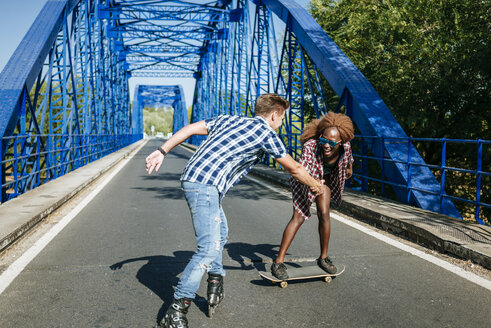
(300, 173)
(319, 188)
(154, 161)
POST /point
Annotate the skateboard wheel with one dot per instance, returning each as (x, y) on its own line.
(283, 284)
(328, 279)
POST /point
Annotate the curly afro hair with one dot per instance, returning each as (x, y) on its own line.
(343, 123)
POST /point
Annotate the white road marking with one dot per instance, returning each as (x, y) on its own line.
(19, 265)
(430, 258)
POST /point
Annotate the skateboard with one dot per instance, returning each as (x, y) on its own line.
(304, 272)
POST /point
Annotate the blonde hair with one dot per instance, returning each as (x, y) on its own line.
(270, 102)
(343, 123)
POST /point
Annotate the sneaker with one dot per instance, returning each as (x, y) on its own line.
(326, 265)
(279, 271)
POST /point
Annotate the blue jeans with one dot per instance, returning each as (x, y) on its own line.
(211, 230)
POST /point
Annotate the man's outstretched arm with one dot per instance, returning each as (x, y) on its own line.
(297, 171)
(156, 158)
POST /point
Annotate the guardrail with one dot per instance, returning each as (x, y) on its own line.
(29, 161)
(463, 172)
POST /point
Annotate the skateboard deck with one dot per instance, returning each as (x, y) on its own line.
(304, 272)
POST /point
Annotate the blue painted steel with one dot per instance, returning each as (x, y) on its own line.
(165, 38)
(24, 65)
(163, 96)
(60, 106)
(479, 173)
(239, 63)
(362, 176)
(368, 111)
(180, 119)
(89, 49)
(443, 170)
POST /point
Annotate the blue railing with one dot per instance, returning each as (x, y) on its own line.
(31, 160)
(463, 172)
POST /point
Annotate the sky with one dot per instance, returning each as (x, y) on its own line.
(16, 17)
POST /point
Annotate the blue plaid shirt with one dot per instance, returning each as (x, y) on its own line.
(233, 146)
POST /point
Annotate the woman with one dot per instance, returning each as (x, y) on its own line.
(326, 154)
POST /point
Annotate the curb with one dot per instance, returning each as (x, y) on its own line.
(445, 234)
(38, 203)
(420, 226)
(417, 225)
(468, 241)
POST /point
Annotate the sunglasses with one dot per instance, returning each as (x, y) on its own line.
(331, 143)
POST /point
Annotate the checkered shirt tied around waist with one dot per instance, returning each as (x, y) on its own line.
(311, 159)
(233, 146)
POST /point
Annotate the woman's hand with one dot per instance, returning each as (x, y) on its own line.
(154, 161)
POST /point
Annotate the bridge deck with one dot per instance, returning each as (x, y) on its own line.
(141, 224)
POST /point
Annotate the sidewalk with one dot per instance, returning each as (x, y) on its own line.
(468, 241)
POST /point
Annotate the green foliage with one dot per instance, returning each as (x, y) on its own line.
(429, 60)
(190, 113)
(160, 118)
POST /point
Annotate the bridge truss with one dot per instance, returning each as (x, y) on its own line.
(160, 96)
(65, 95)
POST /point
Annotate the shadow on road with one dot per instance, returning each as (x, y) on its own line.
(160, 275)
(162, 175)
(161, 192)
(251, 256)
(249, 190)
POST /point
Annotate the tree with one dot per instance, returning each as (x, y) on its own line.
(160, 118)
(429, 60)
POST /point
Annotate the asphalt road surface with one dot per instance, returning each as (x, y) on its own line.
(117, 264)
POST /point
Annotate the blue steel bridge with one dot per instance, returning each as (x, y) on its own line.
(65, 100)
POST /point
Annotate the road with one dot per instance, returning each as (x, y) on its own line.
(117, 263)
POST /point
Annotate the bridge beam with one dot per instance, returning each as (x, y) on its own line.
(24, 66)
(162, 95)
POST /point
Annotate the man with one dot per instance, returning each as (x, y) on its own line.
(233, 146)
